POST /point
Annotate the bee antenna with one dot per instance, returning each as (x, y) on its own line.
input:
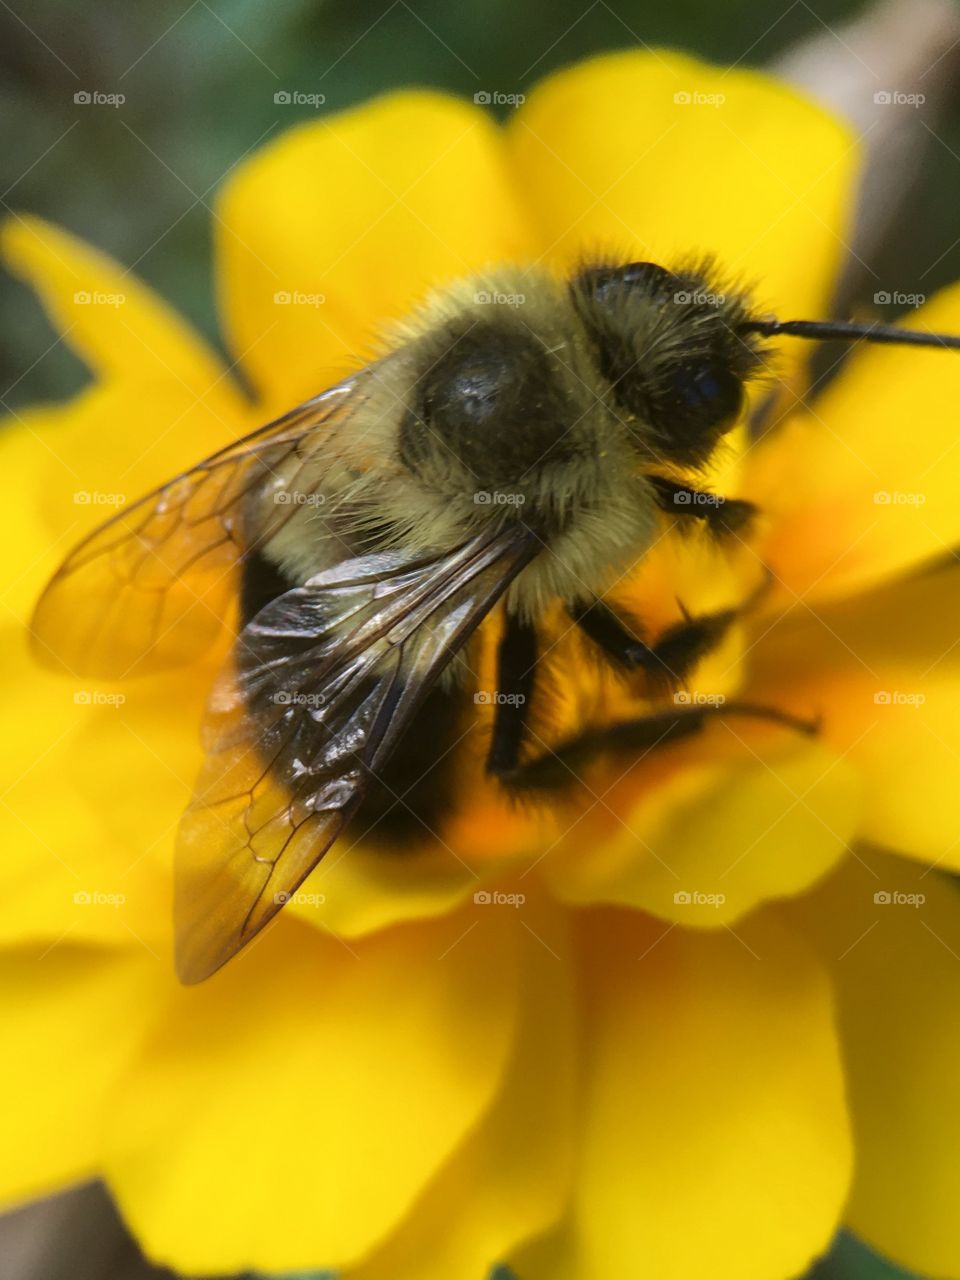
(851, 331)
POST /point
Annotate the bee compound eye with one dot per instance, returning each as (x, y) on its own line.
(711, 393)
(694, 406)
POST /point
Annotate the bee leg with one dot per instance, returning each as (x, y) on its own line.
(722, 516)
(563, 765)
(516, 676)
(675, 653)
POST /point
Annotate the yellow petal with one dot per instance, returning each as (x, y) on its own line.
(661, 157)
(864, 485)
(343, 224)
(71, 1020)
(510, 1180)
(890, 934)
(316, 1088)
(92, 793)
(119, 326)
(22, 525)
(765, 817)
(71, 467)
(883, 674)
(111, 445)
(714, 1130)
(357, 889)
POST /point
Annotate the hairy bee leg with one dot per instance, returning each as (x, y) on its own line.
(563, 764)
(722, 516)
(516, 676)
(675, 653)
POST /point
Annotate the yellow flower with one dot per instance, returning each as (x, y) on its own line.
(662, 1062)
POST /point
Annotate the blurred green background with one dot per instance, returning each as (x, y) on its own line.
(199, 80)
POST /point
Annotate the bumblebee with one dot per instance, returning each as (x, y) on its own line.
(517, 442)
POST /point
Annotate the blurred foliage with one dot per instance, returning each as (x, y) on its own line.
(849, 1259)
(200, 79)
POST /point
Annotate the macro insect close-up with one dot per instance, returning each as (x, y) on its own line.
(483, 690)
(366, 535)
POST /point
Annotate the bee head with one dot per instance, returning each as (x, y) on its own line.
(673, 351)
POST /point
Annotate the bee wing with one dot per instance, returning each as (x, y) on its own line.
(322, 683)
(153, 586)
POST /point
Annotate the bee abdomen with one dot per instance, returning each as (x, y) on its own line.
(261, 581)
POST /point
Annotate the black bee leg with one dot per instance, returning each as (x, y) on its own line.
(722, 516)
(671, 658)
(562, 765)
(516, 675)
(558, 766)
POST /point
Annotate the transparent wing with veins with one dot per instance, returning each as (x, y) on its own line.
(322, 684)
(153, 586)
